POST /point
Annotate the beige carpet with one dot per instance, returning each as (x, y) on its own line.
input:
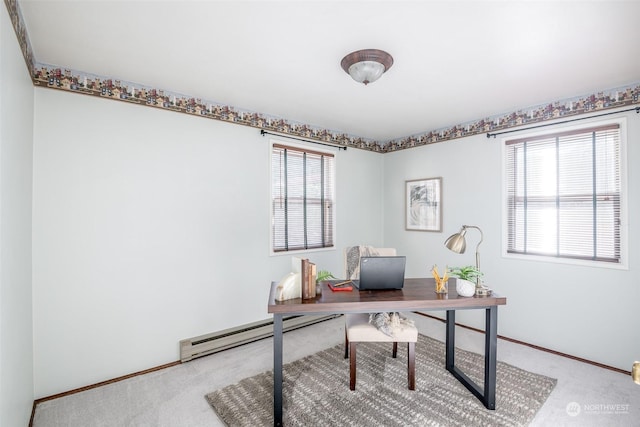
(316, 391)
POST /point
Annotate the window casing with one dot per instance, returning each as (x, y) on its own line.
(564, 195)
(302, 198)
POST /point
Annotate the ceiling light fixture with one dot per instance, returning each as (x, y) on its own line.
(366, 66)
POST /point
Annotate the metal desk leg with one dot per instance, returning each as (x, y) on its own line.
(490, 347)
(277, 369)
(450, 340)
(487, 394)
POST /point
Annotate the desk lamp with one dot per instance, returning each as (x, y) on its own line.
(458, 244)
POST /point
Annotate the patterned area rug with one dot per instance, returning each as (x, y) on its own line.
(316, 391)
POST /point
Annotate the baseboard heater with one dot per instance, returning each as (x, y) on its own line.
(204, 345)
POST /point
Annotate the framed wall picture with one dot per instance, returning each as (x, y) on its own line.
(424, 204)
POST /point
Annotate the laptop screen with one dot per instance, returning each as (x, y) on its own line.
(381, 272)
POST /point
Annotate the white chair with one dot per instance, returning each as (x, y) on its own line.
(357, 326)
(358, 329)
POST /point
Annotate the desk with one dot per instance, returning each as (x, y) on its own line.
(417, 295)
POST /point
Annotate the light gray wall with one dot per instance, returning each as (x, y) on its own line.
(16, 149)
(140, 239)
(150, 227)
(583, 311)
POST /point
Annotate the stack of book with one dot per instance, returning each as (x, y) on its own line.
(308, 274)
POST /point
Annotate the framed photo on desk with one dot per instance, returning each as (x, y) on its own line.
(424, 204)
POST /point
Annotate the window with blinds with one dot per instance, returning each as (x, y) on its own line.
(302, 198)
(563, 194)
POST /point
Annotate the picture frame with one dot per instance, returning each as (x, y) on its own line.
(423, 204)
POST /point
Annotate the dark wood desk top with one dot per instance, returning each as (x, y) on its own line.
(417, 294)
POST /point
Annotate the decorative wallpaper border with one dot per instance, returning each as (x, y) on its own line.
(65, 79)
(21, 32)
(74, 81)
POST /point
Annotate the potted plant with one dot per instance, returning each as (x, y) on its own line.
(467, 277)
(322, 275)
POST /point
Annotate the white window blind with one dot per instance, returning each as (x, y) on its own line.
(302, 198)
(563, 194)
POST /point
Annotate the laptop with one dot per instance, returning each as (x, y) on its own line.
(380, 273)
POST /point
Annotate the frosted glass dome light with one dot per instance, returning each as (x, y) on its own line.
(366, 66)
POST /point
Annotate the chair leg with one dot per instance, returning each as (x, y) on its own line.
(346, 344)
(395, 349)
(411, 365)
(352, 366)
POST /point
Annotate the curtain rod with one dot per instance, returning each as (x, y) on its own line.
(339, 147)
(489, 135)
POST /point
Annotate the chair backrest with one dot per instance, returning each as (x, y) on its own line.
(352, 256)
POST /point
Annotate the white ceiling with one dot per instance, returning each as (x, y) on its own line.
(455, 61)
